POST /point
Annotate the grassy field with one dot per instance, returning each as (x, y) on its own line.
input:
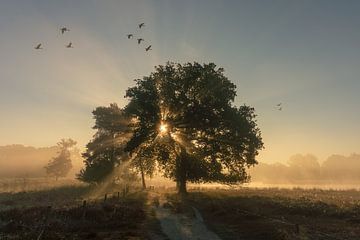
(34, 184)
(245, 213)
(61, 213)
(280, 213)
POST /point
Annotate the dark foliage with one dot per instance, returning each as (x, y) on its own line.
(207, 137)
(181, 117)
(105, 151)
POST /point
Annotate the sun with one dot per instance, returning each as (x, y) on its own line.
(163, 128)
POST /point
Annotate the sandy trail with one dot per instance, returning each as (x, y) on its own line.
(179, 226)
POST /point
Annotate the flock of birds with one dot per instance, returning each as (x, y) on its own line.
(139, 40)
(62, 30)
(129, 36)
(70, 45)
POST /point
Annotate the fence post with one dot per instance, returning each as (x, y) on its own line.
(297, 228)
(84, 209)
(105, 197)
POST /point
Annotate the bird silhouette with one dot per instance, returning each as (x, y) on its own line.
(139, 40)
(69, 45)
(141, 25)
(148, 48)
(129, 36)
(38, 46)
(64, 29)
(280, 108)
(278, 104)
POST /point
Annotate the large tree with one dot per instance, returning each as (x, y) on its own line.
(60, 165)
(184, 117)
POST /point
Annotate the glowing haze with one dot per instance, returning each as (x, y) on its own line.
(304, 54)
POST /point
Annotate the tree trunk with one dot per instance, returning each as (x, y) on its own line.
(182, 172)
(182, 186)
(142, 175)
(143, 180)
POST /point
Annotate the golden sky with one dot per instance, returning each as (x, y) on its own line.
(303, 54)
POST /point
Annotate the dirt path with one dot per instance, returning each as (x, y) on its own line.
(179, 226)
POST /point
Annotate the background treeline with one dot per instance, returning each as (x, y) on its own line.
(307, 169)
(26, 161)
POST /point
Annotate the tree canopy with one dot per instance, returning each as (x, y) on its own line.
(182, 117)
(105, 151)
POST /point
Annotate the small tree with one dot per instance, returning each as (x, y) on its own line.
(144, 162)
(60, 165)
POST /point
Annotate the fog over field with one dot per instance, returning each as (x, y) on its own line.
(307, 169)
(28, 162)
(19, 161)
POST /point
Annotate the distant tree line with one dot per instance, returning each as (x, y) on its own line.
(307, 169)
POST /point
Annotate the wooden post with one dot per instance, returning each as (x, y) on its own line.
(297, 228)
(84, 209)
(118, 195)
(105, 197)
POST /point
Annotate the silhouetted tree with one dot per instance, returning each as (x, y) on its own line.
(181, 117)
(184, 116)
(144, 162)
(105, 151)
(60, 165)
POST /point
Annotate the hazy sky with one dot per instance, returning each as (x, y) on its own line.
(305, 54)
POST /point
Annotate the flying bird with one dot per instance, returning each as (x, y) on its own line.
(280, 108)
(141, 25)
(38, 46)
(148, 48)
(139, 40)
(129, 36)
(69, 45)
(278, 104)
(64, 29)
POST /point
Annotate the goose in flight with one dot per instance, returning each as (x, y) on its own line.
(148, 48)
(64, 29)
(280, 108)
(38, 46)
(129, 36)
(139, 40)
(141, 25)
(278, 104)
(69, 45)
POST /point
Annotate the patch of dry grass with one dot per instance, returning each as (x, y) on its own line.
(280, 214)
(61, 214)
